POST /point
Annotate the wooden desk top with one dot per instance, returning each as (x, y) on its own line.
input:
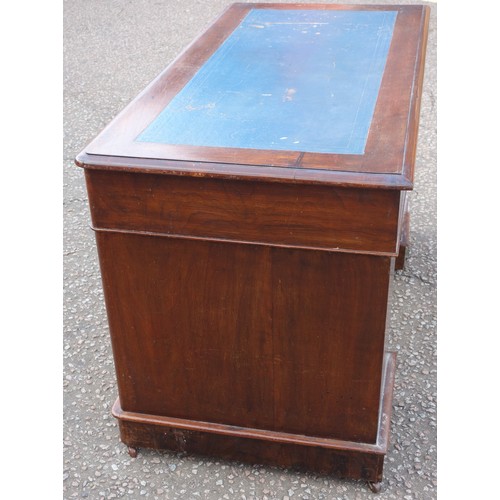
(282, 92)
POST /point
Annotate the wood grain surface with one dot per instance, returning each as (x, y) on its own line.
(321, 455)
(340, 219)
(280, 339)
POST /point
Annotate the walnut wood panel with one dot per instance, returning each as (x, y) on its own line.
(190, 324)
(329, 313)
(288, 215)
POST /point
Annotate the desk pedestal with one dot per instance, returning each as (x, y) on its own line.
(265, 353)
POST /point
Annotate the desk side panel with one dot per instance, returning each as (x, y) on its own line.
(329, 312)
(282, 339)
(190, 323)
(290, 215)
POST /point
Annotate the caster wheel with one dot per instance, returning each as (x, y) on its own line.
(132, 451)
(375, 487)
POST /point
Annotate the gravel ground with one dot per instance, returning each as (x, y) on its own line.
(111, 51)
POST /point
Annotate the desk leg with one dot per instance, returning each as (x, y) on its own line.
(403, 244)
(132, 451)
(375, 487)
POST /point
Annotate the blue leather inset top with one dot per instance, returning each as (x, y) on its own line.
(297, 80)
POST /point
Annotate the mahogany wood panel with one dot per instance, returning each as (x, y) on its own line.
(190, 324)
(329, 327)
(255, 212)
(329, 456)
(274, 338)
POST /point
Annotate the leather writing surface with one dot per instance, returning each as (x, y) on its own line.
(293, 80)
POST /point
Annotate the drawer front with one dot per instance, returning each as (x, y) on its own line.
(276, 214)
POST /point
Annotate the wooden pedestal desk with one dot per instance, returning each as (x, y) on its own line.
(249, 207)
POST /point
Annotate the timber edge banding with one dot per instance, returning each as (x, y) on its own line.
(264, 173)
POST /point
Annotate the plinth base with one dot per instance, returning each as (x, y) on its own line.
(329, 456)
